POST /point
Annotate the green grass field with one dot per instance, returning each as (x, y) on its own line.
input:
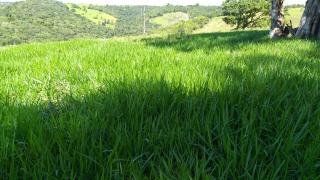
(170, 19)
(230, 105)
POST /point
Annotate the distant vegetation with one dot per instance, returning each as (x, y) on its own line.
(49, 20)
(130, 18)
(217, 24)
(44, 20)
(191, 10)
(95, 16)
(184, 27)
(170, 19)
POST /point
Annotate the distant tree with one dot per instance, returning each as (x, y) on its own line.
(246, 13)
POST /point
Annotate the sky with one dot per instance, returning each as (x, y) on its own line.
(155, 2)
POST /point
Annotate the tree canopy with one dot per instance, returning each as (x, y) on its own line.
(246, 13)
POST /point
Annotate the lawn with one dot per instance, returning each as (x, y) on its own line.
(230, 105)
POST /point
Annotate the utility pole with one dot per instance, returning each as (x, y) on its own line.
(144, 19)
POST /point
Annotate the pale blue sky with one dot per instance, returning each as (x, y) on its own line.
(155, 2)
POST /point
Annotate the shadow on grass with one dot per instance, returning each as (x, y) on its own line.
(210, 41)
(254, 126)
(262, 123)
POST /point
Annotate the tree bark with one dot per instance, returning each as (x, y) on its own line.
(310, 21)
(277, 19)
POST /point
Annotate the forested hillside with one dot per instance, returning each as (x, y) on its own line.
(47, 20)
(192, 10)
(130, 18)
(44, 20)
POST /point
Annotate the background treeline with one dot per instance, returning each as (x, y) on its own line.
(50, 20)
(43, 20)
(192, 10)
(130, 18)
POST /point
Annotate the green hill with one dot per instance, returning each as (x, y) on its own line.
(49, 20)
(191, 10)
(182, 28)
(223, 105)
(130, 18)
(216, 24)
(44, 20)
(170, 19)
(95, 16)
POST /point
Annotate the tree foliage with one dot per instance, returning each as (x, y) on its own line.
(246, 13)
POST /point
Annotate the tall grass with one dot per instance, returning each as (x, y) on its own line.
(228, 105)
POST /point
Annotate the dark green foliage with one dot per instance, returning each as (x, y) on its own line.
(192, 10)
(43, 20)
(246, 13)
(129, 18)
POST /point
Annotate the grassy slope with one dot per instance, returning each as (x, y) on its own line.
(225, 105)
(95, 16)
(294, 14)
(218, 25)
(170, 19)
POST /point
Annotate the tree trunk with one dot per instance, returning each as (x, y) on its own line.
(310, 21)
(277, 19)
